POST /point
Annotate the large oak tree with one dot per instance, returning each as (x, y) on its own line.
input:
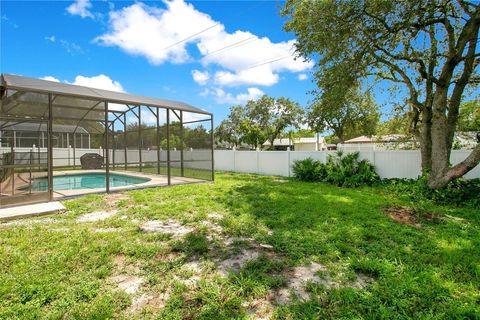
(429, 48)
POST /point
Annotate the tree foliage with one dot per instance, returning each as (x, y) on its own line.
(197, 137)
(348, 114)
(259, 121)
(229, 129)
(428, 48)
(398, 123)
(469, 116)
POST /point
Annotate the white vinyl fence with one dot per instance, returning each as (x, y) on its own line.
(63, 157)
(388, 163)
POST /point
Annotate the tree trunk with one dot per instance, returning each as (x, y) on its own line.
(440, 154)
(425, 138)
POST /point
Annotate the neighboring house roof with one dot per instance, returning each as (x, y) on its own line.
(308, 140)
(379, 139)
(36, 127)
(285, 142)
(37, 85)
(361, 139)
(465, 139)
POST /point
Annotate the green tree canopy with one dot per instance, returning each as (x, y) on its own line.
(348, 114)
(258, 121)
(429, 49)
(469, 117)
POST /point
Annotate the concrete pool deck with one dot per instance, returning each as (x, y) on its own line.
(22, 194)
(30, 210)
(155, 181)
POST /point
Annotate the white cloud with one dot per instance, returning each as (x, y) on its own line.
(162, 35)
(223, 97)
(241, 67)
(200, 77)
(51, 38)
(257, 76)
(80, 8)
(148, 31)
(100, 82)
(50, 78)
(302, 76)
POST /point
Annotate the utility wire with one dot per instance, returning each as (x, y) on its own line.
(190, 37)
(255, 66)
(211, 27)
(233, 45)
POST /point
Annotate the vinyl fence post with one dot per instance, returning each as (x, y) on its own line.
(288, 161)
(258, 160)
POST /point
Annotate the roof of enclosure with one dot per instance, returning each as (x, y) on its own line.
(37, 85)
(39, 127)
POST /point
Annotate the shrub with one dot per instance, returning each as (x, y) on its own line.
(460, 192)
(308, 170)
(341, 169)
(348, 170)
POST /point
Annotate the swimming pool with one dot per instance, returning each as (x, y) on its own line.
(86, 181)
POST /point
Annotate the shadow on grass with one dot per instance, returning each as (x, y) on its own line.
(340, 226)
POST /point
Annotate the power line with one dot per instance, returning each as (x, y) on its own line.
(190, 37)
(211, 27)
(233, 45)
(255, 66)
(270, 61)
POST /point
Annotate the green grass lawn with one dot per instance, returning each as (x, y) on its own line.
(62, 268)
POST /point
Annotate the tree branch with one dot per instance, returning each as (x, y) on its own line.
(468, 30)
(466, 165)
(459, 88)
(411, 88)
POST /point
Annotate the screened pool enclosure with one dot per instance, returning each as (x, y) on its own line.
(59, 140)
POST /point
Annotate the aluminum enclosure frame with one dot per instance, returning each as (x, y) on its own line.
(112, 119)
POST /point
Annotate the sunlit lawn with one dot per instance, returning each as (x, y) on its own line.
(65, 269)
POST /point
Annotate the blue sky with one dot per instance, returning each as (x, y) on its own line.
(130, 46)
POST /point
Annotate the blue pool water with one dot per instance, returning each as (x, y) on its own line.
(86, 181)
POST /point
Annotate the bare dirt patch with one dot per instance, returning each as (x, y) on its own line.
(170, 226)
(120, 261)
(114, 198)
(299, 277)
(167, 257)
(124, 266)
(155, 301)
(280, 181)
(260, 309)
(236, 262)
(127, 283)
(215, 216)
(404, 215)
(361, 281)
(96, 216)
(26, 222)
(212, 226)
